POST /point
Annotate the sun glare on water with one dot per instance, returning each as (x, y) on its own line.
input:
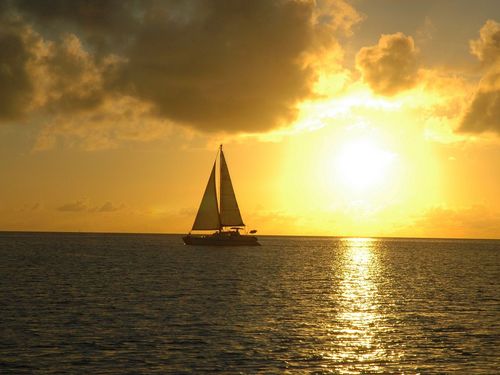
(362, 164)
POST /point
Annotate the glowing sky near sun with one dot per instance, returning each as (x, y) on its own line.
(359, 118)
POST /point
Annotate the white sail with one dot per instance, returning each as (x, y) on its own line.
(208, 214)
(229, 211)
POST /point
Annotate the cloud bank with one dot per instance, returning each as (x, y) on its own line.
(212, 65)
(391, 66)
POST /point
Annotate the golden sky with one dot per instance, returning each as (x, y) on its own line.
(345, 118)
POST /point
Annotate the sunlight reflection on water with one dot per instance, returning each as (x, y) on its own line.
(359, 317)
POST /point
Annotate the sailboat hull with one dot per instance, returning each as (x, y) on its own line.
(221, 239)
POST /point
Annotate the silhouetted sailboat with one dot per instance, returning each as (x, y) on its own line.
(212, 217)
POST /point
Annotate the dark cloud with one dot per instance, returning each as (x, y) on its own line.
(483, 113)
(234, 66)
(15, 84)
(49, 76)
(215, 65)
(73, 84)
(391, 66)
(104, 24)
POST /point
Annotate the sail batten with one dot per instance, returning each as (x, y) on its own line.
(207, 217)
(229, 211)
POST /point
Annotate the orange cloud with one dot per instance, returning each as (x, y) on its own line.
(117, 120)
(391, 66)
(487, 47)
(483, 112)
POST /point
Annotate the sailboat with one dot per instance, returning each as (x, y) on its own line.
(224, 218)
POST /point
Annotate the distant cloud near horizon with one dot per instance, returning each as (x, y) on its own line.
(83, 205)
(76, 206)
(212, 65)
(109, 207)
(474, 221)
(391, 66)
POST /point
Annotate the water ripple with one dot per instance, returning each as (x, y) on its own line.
(113, 304)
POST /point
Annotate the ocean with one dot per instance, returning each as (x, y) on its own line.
(127, 303)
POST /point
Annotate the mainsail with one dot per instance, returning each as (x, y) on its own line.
(229, 210)
(208, 213)
(209, 217)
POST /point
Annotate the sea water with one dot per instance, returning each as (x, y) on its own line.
(107, 303)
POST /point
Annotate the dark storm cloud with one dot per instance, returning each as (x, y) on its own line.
(483, 113)
(231, 65)
(105, 24)
(391, 66)
(215, 65)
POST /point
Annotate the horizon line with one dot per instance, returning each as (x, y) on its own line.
(260, 235)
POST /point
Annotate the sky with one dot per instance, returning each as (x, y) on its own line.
(342, 118)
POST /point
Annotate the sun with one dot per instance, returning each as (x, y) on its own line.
(363, 164)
